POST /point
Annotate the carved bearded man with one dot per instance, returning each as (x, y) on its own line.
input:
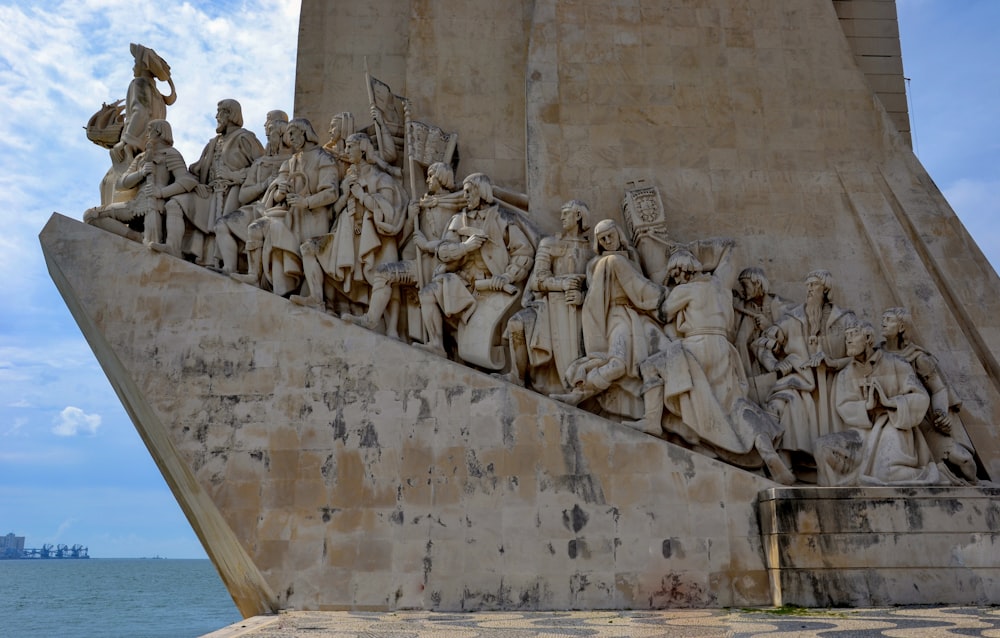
(220, 170)
(882, 403)
(303, 197)
(809, 344)
(232, 227)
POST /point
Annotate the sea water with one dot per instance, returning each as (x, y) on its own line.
(112, 598)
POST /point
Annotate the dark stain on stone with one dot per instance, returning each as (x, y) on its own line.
(552, 550)
(397, 517)
(615, 514)
(476, 468)
(582, 485)
(482, 394)
(369, 437)
(575, 519)
(993, 517)
(328, 512)
(427, 561)
(667, 548)
(261, 456)
(324, 548)
(577, 547)
(531, 597)
(425, 408)
(339, 426)
(289, 592)
(477, 600)
(675, 591)
(454, 391)
(578, 583)
(952, 506)
(682, 459)
(436, 598)
(305, 410)
(914, 515)
(399, 594)
(329, 468)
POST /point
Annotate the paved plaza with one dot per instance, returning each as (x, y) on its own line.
(899, 622)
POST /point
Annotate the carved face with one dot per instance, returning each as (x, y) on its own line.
(814, 289)
(352, 151)
(433, 183)
(751, 289)
(295, 137)
(570, 217)
(335, 131)
(273, 131)
(856, 341)
(221, 119)
(608, 240)
(471, 192)
(891, 326)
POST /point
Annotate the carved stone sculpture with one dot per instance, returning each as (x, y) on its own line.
(221, 171)
(646, 224)
(700, 379)
(231, 229)
(757, 309)
(882, 403)
(809, 344)
(143, 103)
(304, 193)
(158, 173)
(487, 257)
(942, 424)
(547, 335)
(430, 216)
(370, 214)
(619, 331)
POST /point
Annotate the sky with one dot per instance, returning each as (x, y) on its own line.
(72, 468)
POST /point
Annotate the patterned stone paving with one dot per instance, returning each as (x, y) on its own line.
(901, 622)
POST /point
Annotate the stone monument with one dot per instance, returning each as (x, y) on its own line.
(512, 345)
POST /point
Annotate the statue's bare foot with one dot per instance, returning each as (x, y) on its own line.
(245, 278)
(572, 398)
(359, 320)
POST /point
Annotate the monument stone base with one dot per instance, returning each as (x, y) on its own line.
(835, 547)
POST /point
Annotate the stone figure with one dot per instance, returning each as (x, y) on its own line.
(699, 378)
(231, 229)
(808, 342)
(942, 424)
(158, 173)
(370, 214)
(757, 309)
(647, 227)
(882, 403)
(143, 103)
(303, 195)
(547, 335)
(430, 216)
(221, 171)
(341, 128)
(619, 329)
(486, 257)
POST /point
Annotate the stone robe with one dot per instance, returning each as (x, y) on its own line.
(884, 445)
(313, 175)
(809, 411)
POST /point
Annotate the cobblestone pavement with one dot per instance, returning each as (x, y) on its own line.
(897, 622)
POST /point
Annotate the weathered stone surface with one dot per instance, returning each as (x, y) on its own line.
(356, 472)
(881, 546)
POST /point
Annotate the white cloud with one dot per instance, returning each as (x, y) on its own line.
(73, 421)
